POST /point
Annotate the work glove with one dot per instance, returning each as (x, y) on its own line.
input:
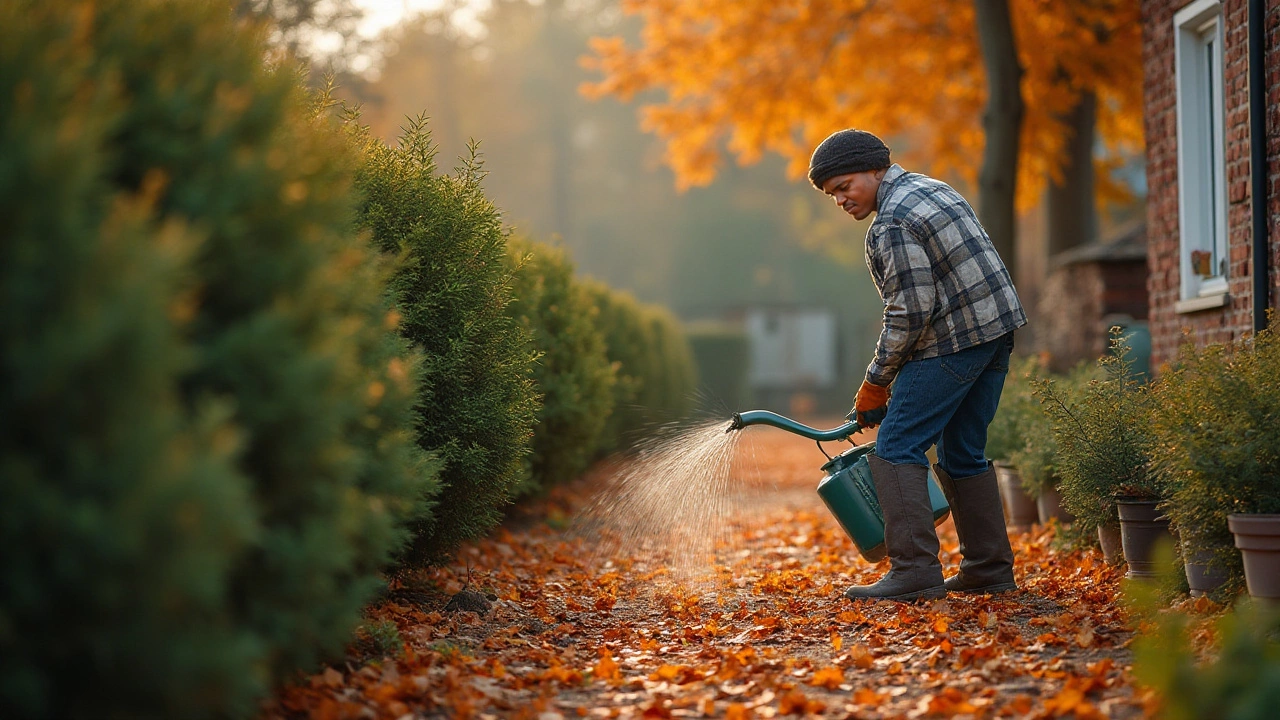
(871, 405)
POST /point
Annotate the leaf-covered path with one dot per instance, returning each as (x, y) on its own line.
(566, 626)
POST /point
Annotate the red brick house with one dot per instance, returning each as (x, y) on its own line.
(1212, 113)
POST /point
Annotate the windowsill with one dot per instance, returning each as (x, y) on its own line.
(1208, 302)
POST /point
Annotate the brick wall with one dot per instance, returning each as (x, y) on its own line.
(1163, 283)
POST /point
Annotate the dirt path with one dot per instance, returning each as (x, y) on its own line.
(577, 627)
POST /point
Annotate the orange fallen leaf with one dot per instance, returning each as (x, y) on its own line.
(606, 668)
(828, 677)
(862, 657)
(867, 697)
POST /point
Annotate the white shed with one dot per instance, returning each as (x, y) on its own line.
(792, 348)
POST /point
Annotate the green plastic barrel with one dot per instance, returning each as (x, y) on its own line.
(850, 495)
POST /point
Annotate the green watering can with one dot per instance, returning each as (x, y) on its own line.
(847, 489)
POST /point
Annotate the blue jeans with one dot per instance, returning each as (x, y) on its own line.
(946, 401)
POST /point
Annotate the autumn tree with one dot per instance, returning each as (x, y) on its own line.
(756, 76)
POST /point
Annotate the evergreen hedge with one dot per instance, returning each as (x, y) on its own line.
(670, 388)
(572, 373)
(452, 288)
(205, 424)
(653, 365)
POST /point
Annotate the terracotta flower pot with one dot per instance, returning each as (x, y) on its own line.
(1049, 506)
(1019, 507)
(1142, 527)
(1258, 537)
(1109, 540)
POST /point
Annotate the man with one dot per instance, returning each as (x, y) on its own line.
(950, 310)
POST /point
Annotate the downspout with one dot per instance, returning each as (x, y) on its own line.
(1258, 163)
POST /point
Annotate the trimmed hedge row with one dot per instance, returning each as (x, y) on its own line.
(254, 358)
(452, 287)
(656, 375)
(206, 430)
(572, 371)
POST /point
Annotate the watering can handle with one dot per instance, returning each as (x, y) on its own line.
(764, 417)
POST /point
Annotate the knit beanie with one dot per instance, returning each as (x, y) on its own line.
(844, 152)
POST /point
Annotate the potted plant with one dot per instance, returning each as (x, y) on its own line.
(1035, 462)
(1218, 447)
(1005, 437)
(1101, 421)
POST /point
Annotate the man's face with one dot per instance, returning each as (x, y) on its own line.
(855, 193)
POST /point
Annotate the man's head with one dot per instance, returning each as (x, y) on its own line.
(849, 166)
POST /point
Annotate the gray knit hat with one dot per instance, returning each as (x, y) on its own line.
(844, 152)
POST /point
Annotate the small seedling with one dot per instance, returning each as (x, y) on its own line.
(385, 637)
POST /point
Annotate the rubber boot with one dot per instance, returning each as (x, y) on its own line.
(987, 558)
(909, 537)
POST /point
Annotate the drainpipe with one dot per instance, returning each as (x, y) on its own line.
(1258, 162)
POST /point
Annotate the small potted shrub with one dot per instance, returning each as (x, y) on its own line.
(1006, 436)
(1037, 460)
(1218, 447)
(1101, 421)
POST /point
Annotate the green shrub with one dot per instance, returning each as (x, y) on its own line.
(669, 388)
(1006, 433)
(207, 431)
(452, 289)
(1239, 680)
(627, 338)
(572, 372)
(722, 357)
(1038, 458)
(1102, 429)
(1218, 442)
(653, 364)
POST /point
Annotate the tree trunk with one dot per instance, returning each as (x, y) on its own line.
(1002, 124)
(1072, 217)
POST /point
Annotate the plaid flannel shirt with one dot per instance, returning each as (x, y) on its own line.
(944, 286)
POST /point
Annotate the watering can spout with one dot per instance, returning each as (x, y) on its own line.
(764, 417)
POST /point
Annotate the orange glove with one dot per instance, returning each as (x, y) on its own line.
(871, 404)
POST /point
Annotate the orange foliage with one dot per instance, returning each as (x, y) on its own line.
(750, 76)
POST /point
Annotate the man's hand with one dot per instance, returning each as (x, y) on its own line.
(871, 404)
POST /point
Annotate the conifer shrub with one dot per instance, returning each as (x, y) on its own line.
(1039, 456)
(1006, 433)
(627, 337)
(655, 373)
(572, 373)
(1235, 675)
(452, 289)
(672, 385)
(1217, 443)
(207, 440)
(1102, 429)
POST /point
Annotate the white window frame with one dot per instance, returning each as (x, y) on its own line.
(1202, 167)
